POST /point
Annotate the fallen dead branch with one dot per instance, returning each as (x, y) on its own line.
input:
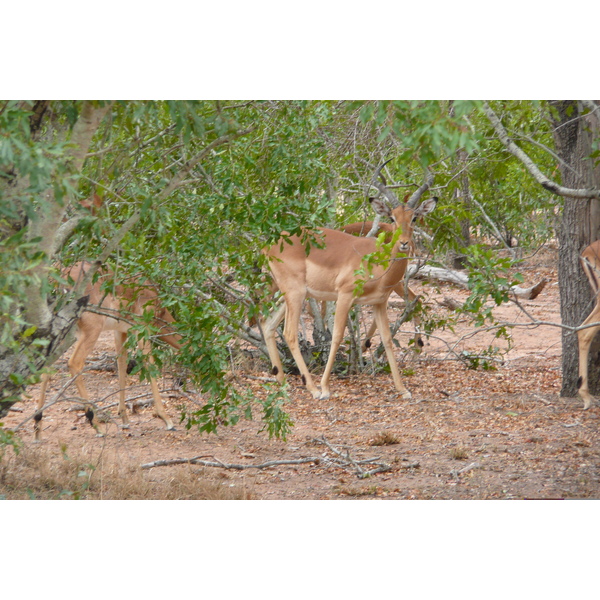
(257, 378)
(462, 280)
(450, 303)
(346, 460)
(456, 473)
(198, 460)
(341, 459)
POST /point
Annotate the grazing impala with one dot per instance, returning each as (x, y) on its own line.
(590, 261)
(330, 272)
(124, 301)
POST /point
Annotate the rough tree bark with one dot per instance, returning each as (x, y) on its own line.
(574, 133)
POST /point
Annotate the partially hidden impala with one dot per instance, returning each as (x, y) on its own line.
(337, 269)
(590, 262)
(117, 310)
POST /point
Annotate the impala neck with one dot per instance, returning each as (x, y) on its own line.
(398, 262)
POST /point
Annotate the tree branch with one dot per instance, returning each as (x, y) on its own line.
(528, 163)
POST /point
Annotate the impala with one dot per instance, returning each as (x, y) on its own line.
(124, 301)
(331, 270)
(590, 261)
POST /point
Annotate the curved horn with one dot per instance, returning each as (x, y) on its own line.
(414, 199)
(382, 187)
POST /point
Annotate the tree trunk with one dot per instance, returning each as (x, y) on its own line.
(19, 361)
(573, 136)
(50, 214)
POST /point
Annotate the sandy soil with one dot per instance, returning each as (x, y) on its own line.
(468, 434)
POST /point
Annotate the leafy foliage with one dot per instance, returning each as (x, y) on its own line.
(211, 184)
(8, 439)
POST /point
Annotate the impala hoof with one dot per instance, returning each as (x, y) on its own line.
(588, 400)
(406, 395)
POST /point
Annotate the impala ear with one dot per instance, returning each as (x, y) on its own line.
(426, 207)
(380, 207)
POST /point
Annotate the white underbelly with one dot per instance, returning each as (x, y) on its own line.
(332, 297)
(321, 295)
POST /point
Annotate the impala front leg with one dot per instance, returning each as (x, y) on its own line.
(386, 337)
(342, 308)
(585, 338)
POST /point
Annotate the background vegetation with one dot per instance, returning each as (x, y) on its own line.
(187, 193)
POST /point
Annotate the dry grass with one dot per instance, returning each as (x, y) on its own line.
(459, 453)
(385, 439)
(48, 473)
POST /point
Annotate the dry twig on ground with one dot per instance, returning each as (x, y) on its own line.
(340, 459)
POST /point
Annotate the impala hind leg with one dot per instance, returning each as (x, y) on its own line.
(159, 407)
(269, 327)
(86, 341)
(37, 419)
(293, 308)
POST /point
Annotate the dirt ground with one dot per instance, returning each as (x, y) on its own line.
(465, 434)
